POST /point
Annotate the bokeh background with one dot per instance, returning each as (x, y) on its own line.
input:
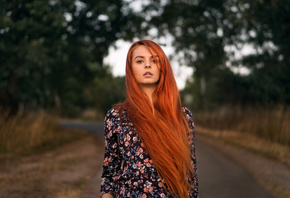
(65, 59)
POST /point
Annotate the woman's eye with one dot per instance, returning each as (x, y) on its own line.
(154, 61)
(139, 61)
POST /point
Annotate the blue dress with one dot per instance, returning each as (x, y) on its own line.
(128, 170)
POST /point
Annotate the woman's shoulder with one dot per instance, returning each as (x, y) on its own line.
(112, 117)
(112, 124)
(116, 113)
(186, 111)
(116, 116)
(112, 112)
(188, 117)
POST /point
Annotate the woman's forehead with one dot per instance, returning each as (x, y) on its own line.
(142, 50)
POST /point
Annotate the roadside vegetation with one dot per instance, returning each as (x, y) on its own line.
(262, 130)
(32, 133)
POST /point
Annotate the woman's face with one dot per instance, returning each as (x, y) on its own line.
(144, 67)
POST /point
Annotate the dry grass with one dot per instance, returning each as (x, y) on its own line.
(32, 133)
(272, 124)
(263, 130)
(267, 148)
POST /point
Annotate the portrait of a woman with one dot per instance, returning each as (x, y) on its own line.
(149, 138)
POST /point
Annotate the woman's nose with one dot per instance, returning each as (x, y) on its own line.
(147, 64)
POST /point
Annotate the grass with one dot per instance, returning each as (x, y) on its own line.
(272, 124)
(262, 130)
(253, 143)
(32, 133)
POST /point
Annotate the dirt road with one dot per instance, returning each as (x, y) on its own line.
(62, 173)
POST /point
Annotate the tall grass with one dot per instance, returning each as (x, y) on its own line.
(268, 123)
(32, 133)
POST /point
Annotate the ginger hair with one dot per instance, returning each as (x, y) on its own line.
(161, 126)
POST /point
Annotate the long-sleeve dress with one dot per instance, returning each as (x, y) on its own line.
(128, 170)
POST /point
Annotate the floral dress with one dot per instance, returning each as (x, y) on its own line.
(128, 170)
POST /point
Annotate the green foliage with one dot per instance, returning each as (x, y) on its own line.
(204, 29)
(104, 92)
(47, 49)
(51, 51)
(197, 28)
(265, 26)
(259, 88)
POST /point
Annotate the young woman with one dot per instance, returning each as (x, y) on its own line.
(149, 138)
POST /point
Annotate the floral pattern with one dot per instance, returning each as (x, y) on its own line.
(128, 170)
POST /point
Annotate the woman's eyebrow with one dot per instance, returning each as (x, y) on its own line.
(139, 57)
(143, 57)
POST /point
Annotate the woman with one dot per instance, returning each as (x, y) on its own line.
(149, 138)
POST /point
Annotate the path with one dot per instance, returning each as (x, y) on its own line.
(221, 177)
(223, 170)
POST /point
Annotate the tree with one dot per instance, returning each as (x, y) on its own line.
(266, 26)
(197, 29)
(202, 30)
(47, 48)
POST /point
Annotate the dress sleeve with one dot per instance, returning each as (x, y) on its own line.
(191, 141)
(111, 163)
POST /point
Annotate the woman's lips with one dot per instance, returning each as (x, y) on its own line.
(147, 74)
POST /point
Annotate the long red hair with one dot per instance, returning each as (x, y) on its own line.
(162, 126)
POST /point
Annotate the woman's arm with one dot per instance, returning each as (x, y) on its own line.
(191, 139)
(110, 171)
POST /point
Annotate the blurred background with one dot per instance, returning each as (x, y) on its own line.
(65, 60)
